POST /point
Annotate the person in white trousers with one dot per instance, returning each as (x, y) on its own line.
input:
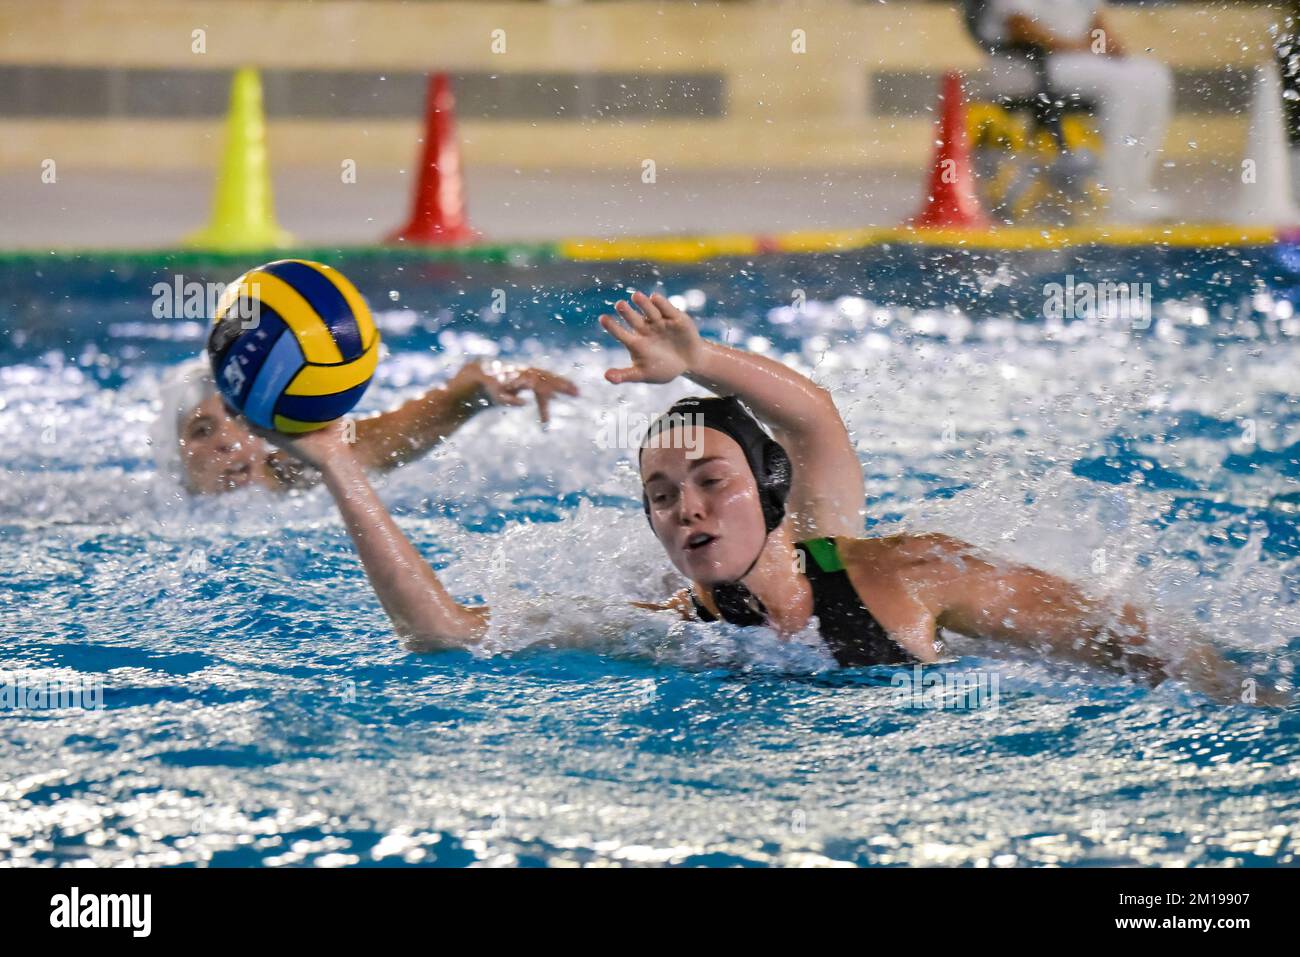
(1134, 95)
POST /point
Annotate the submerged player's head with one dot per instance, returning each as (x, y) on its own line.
(714, 486)
(198, 442)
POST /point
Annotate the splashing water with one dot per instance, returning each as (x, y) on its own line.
(257, 710)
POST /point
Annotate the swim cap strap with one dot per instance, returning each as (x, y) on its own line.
(738, 605)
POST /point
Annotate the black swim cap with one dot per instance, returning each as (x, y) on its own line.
(766, 457)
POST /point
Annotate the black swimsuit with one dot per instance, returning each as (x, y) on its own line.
(851, 632)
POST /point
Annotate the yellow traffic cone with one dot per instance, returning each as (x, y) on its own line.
(243, 215)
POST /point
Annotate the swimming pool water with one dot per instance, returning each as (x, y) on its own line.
(257, 710)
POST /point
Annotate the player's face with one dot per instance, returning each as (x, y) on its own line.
(704, 507)
(218, 453)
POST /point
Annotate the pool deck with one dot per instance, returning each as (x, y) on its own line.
(569, 214)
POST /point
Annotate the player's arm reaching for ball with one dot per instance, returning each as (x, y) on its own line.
(424, 614)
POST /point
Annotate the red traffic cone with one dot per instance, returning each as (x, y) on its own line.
(438, 213)
(951, 200)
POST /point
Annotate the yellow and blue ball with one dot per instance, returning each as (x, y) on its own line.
(293, 345)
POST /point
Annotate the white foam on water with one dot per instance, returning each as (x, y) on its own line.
(999, 410)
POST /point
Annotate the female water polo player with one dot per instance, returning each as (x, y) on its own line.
(196, 440)
(766, 528)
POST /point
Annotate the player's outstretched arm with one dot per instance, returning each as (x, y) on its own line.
(423, 612)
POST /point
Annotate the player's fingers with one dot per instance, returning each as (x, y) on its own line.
(554, 382)
(631, 316)
(666, 308)
(628, 374)
(619, 331)
(647, 305)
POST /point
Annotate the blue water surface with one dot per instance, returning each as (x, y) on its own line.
(245, 703)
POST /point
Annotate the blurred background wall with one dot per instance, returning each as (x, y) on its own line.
(142, 84)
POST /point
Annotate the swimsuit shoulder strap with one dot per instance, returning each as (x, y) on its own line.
(847, 625)
(825, 552)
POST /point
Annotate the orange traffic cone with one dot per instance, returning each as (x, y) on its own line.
(438, 213)
(951, 201)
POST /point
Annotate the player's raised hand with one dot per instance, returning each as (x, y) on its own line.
(661, 340)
